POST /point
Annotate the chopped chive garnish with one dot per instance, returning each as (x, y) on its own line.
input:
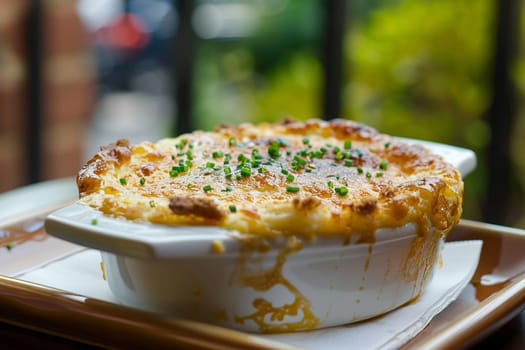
(246, 171)
(174, 173)
(306, 141)
(284, 171)
(217, 154)
(262, 170)
(172, 157)
(207, 188)
(342, 191)
(383, 165)
(233, 208)
(10, 245)
(387, 144)
(330, 184)
(238, 176)
(379, 174)
(290, 178)
(273, 150)
(227, 171)
(142, 181)
(360, 170)
(122, 181)
(228, 189)
(348, 144)
(368, 175)
(349, 162)
(231, 141)
(189, 185)
(189, 155)
(336, 150)
(293, 189)
(94, 221)
(152, 204)
(300, 161)
(210, 164)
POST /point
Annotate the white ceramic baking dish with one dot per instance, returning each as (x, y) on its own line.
(273, 285)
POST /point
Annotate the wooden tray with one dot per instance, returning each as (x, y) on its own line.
(496, 293)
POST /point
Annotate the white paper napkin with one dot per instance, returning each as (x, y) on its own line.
(79, 273)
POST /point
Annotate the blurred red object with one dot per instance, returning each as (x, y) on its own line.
(126, 32)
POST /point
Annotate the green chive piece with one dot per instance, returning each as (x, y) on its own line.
(228, 189)
(10, 245)
(368, 175)
(94, 221)
(292, 189)
(387, 144)
(273, 150)
(217, 154)
(207, 188)
(233, 208)
(360, 170)
(379, 174)
(290, 178)
(210, 165)
(383, 165)
(142, 181)
(262, 170)
(238, 176)
(330, 184)
(342, 191)
(123, 181)
(348, 144)
(174, 173)
(246, 171)
(306, 140)
(231, 141)
(284, 171)
(349, 162)
(152, 204)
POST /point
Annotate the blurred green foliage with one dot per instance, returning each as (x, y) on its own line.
(421, 69)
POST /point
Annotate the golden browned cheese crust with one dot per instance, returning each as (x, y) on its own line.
(291, 178)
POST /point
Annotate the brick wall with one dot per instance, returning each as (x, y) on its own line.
(68, 91)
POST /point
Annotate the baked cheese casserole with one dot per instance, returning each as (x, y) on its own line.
(290, 178)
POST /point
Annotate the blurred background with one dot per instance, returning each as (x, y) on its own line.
(75, 75)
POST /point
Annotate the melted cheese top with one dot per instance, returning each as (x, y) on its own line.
(292, 178)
